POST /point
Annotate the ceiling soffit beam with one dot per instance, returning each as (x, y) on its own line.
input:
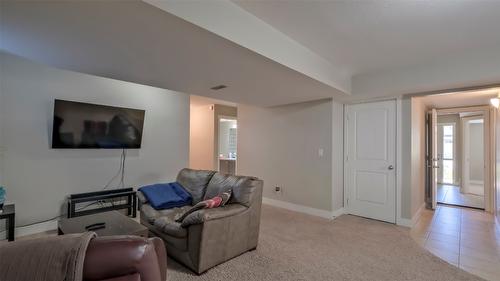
(233, 23)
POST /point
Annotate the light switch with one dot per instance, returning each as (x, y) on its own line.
(321, 151)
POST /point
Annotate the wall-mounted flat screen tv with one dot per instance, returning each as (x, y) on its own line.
(86, 125)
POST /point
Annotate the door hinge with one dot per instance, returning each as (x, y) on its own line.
(347, 203)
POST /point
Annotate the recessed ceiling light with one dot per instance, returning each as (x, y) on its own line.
(219, 87)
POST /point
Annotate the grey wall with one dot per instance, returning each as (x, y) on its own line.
(477, 155)
(412, 156)
(281, 146)
(418, 155)
(406, 157)
(39, 178)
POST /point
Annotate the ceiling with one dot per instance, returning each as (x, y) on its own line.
(461, 99)
(378, 35)
(136, 42)
(268, 53)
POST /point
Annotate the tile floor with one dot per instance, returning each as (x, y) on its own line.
(467, 238)
(450, 194)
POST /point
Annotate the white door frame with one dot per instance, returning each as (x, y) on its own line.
(398, 159)
(489, 138)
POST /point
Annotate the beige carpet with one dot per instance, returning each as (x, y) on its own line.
(294, 246)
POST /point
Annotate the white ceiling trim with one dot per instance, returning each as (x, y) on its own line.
(230, 21)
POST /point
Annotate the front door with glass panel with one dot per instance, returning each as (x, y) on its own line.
(446, 153)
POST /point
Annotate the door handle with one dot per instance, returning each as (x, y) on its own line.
(390, 167)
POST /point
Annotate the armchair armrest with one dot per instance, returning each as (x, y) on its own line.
(115, 256)
(141, 197)
(205, 215)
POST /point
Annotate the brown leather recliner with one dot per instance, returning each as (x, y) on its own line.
(84, 257)
(125, 258)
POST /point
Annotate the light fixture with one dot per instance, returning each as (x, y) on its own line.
(495, 102)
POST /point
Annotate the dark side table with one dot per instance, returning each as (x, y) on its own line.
(9, 214)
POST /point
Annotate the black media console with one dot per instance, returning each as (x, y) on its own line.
(128, 195)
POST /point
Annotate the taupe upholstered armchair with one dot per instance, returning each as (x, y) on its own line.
(209, 237)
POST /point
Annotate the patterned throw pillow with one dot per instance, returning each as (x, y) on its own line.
(218, 201)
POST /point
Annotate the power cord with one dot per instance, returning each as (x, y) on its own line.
(121, 171)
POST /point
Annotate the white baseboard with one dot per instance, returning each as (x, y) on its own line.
(338, 212)
(411, 222)
(303, 209)
(417, 215)
(478, 182)
(32, 229)
(404, 222)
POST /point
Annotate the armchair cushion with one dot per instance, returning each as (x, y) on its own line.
(242, 188)
(168, 225)
(205, 215)
(149, 214)
(195, 182)
(218, 201)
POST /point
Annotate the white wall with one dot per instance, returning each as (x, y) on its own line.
(281, 146)
(476, 143)
(38, 178)
(201, 140)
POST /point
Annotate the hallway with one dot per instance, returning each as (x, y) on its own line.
(467, 238)
(450, 194)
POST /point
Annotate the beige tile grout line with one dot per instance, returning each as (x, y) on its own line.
(432, 223)
(460, 239)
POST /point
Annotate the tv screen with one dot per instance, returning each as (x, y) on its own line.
(85, 125)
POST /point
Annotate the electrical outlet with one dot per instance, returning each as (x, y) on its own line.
(278, 189)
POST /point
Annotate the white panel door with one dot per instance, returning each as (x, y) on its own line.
(370, 160)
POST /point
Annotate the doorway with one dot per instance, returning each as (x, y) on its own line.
(212, 135)
(460, 163)
(227, 147)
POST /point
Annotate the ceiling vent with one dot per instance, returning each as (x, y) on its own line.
(219, 87)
